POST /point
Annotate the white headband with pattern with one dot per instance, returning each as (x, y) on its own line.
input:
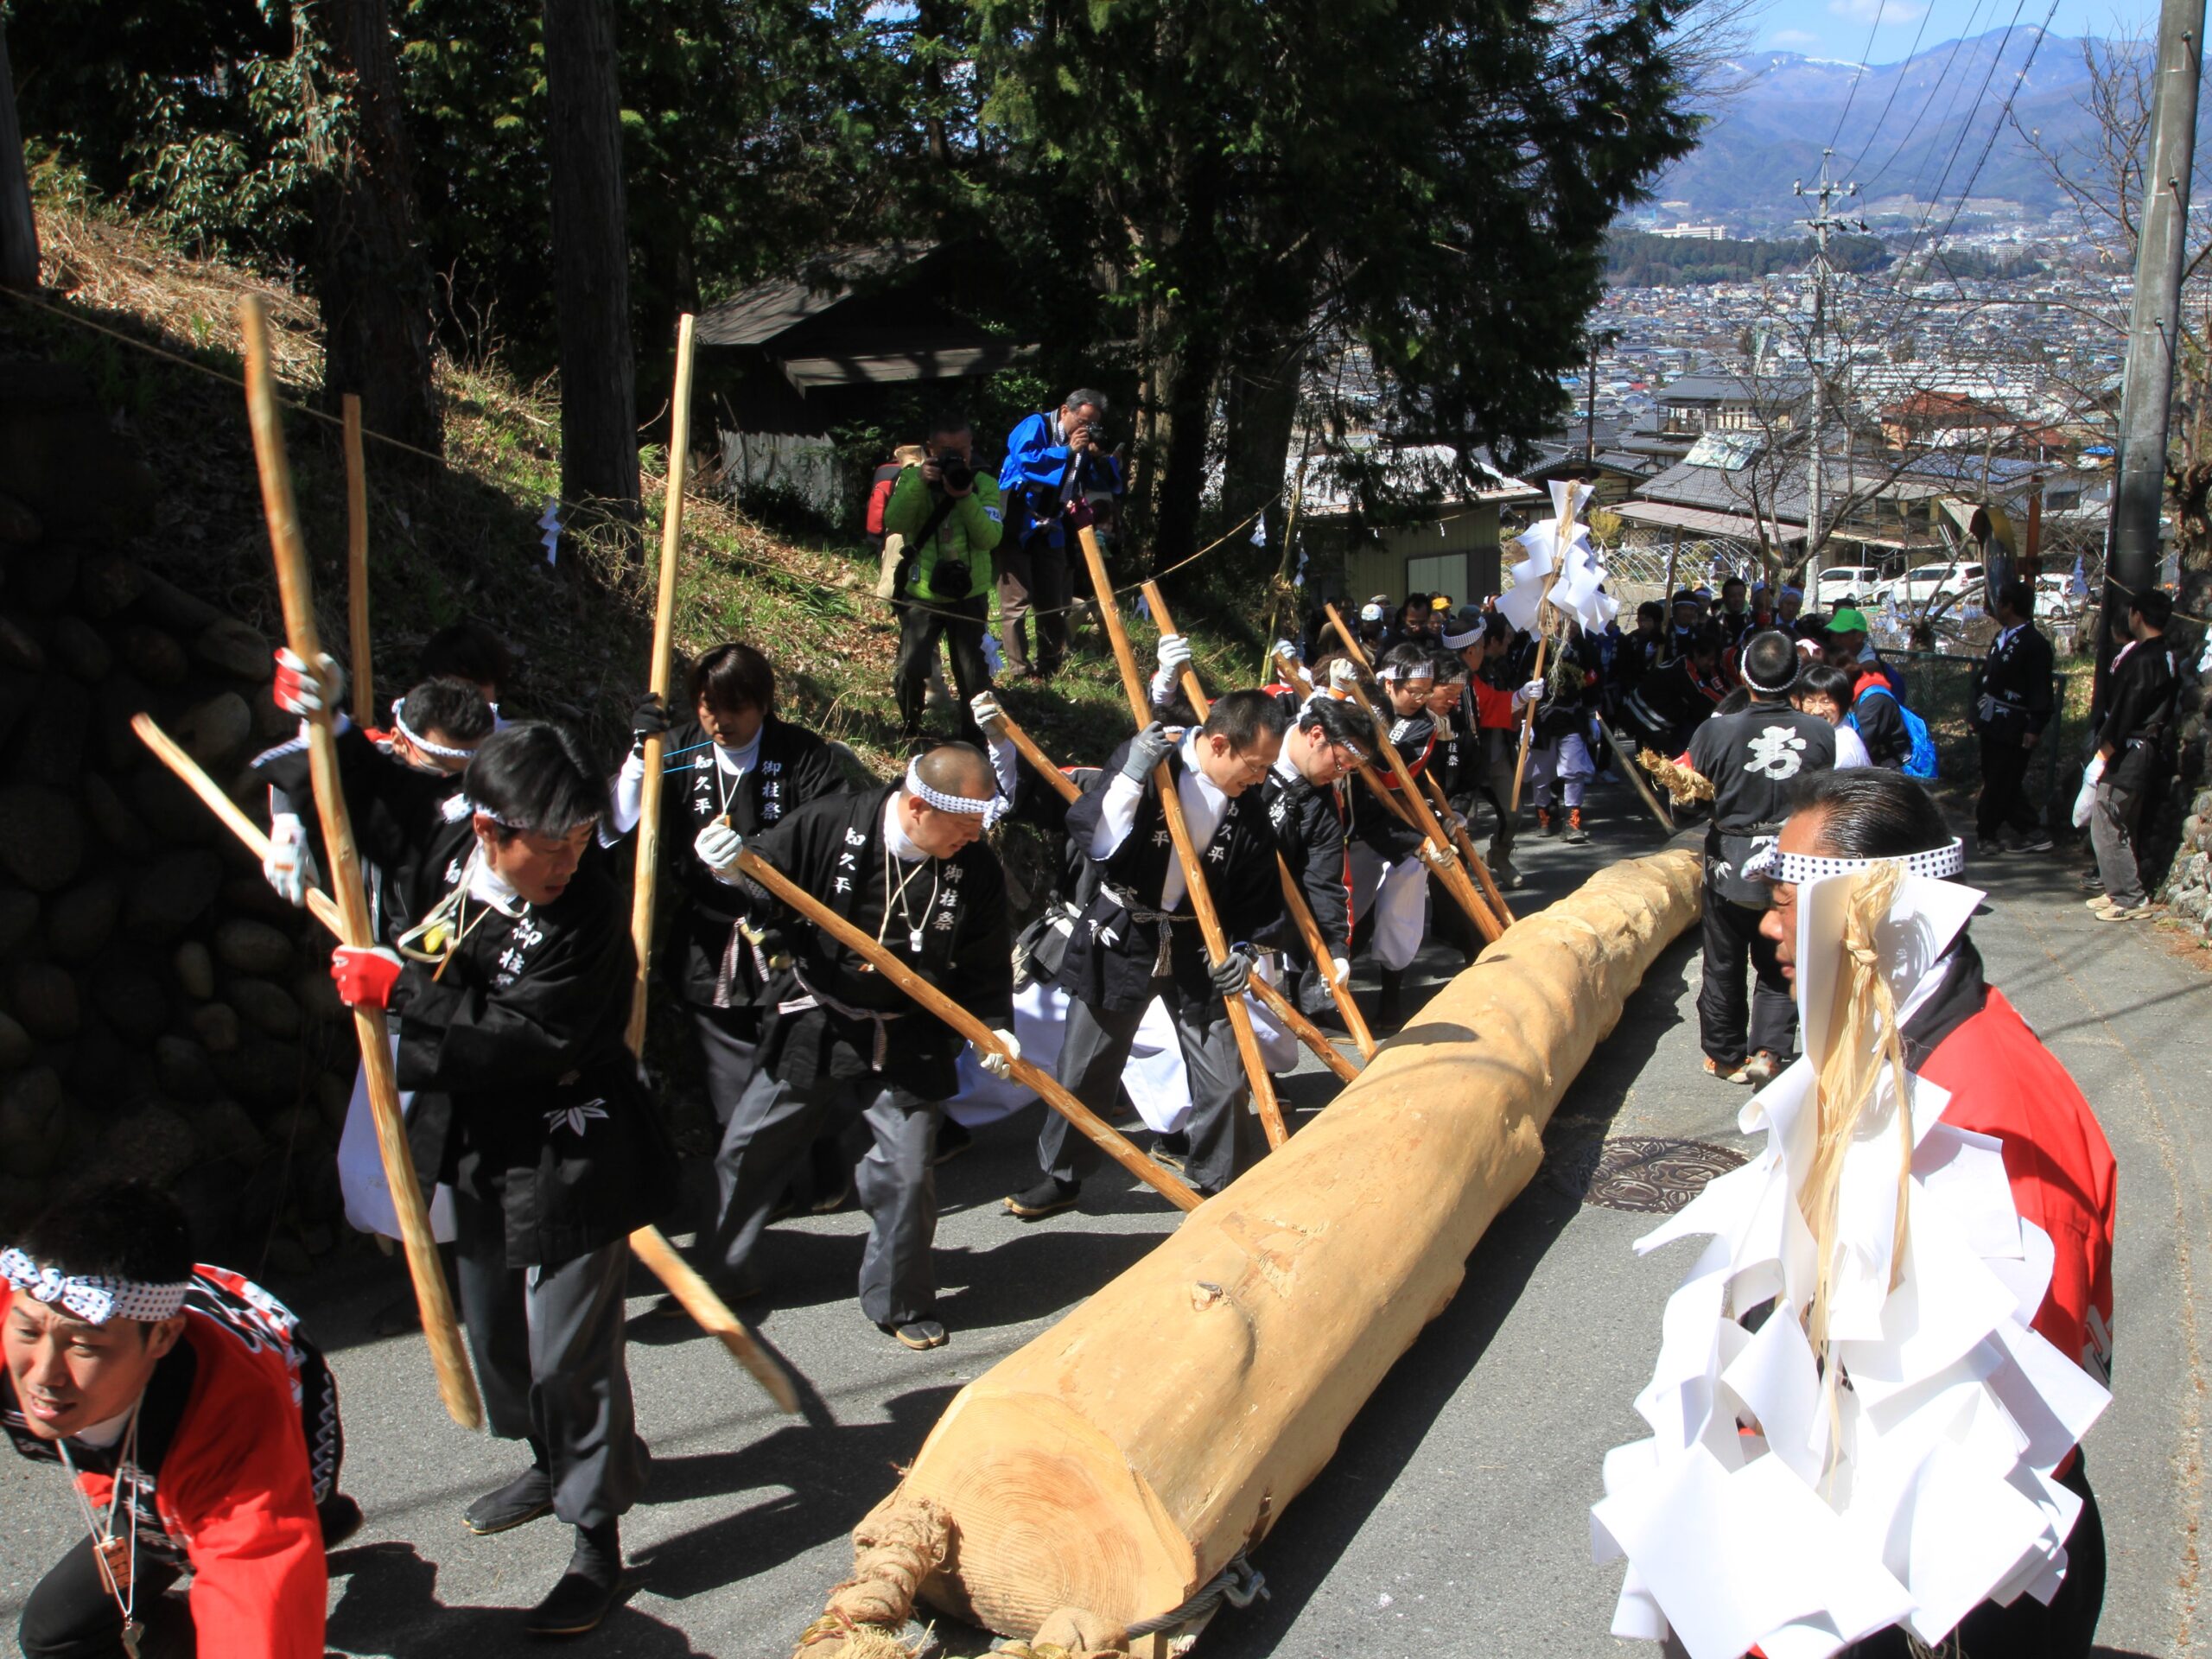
(93, 1299)
(1773, 864)
(399, 724)
(938, 798)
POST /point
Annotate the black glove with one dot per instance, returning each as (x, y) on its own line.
(1234, 971)
(1146, 750)
(648, 719)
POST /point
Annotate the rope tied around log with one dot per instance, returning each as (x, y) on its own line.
(893, 1553)
(1240, 1584)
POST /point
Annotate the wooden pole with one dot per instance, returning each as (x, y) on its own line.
(1566, 536)
(1293, 900)
(650, 1247)
(1627, 756)
(1094, 1468)
(356, 568)
(671, 541)
(1063, 785)
(1666, 599)
(1412, 807)
(1194, 875)
(1100, 1132)
(1465, 844)
(457, 1386)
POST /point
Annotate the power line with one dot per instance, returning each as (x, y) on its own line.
(1865, 53)
(1942, 79)
(1913, 51)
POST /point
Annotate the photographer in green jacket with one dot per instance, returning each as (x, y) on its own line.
(947, 514)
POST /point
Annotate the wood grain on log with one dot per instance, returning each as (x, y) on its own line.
(1121, 1460)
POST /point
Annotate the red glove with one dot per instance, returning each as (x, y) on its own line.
(365, 974)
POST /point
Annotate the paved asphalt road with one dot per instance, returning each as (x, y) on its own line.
(1451, 1524)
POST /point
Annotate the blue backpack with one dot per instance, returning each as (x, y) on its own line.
(1921, 761)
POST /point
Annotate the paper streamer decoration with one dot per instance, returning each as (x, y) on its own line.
(1768, 1508)
(1581, 576)
(550, 523)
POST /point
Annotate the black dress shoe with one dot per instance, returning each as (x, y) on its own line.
(1048, 1197)
(588, 1588)
(522, 1500)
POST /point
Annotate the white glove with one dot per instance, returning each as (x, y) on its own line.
(1174, 653)
(289, 867)
(1340, 971)
(2085, 804)
(1343, 675)
(984, 705)
(1285, 648)
(1457, 823)
(1000, 1066)
(718, 846)
(1532, 692)
(1441, 858)
(301, 690)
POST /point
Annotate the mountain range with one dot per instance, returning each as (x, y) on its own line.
(1914, 129)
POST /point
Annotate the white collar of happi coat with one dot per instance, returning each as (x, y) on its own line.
(1924, 1487)
(1193, 774)
(487, 885)
(738, 762)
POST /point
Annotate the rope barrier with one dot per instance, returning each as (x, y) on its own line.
(405, 446)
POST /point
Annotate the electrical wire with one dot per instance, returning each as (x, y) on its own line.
(1866, 52)
(1889, 103)
(1919, 122)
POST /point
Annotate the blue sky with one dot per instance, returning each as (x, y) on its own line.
(1842, 29)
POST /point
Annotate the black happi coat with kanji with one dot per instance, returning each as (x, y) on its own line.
(949, 923)
(1111, 955)
(526, 1091)
(1309, 830)
(793, 767)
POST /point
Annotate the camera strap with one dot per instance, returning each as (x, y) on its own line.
(938, 514)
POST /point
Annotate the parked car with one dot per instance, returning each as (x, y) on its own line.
(2055, 595)
(1921, 586)
(1840, 584)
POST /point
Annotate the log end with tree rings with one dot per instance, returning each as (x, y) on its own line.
(1123, 1459)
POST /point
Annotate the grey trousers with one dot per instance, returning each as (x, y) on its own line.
(1033, 586)
(766, 1145)
(1225, 1138)
(548, 1344)
(2111, 834)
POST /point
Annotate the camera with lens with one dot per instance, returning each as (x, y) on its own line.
(955, 470)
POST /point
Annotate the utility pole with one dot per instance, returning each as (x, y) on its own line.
(1816, 357)
(2131, 542)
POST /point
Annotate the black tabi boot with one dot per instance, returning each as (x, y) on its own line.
(589, 1587)
(526, 1497)
(1389, 1011)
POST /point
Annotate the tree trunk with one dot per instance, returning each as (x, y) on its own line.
(1122, 1458)
(1180, 428)
(1261, 385)
(370, 272)
(591, 266)
(18, 227)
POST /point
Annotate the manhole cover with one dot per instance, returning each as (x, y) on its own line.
(1649, 1174)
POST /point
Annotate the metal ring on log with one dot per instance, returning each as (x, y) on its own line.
(1117, 1461)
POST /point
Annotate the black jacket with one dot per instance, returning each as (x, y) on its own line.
(2013, 694)
(1752, 758)
(834, 848)
(1878, 715)
(526, 1092)
(794, 767)
(400, 820)
(1570, 679)
(1309, 831)
(1110, 956)
(2139, 703)
(1370, 822)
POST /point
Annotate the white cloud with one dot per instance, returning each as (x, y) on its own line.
(1793, 40)
(1892, 12)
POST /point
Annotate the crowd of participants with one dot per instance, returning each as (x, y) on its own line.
(491, 849)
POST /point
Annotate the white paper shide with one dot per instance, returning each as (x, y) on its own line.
(1570, 559)
(1800, 1507)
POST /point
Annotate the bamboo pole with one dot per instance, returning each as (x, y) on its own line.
(672, 540)
(457, 1386)
(1101, 1133)
(1194, 875)
(1411, 804)
(650, 1247)
(357, 566)
(1301, 915)
(1566, 522)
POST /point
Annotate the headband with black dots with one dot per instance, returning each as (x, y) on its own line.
(938, 798)
(1772, 864)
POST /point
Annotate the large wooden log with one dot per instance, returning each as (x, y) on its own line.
(1120, 1460)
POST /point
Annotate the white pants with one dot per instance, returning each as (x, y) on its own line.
(1153, 1076)
(1568, 760)
(1398, 893)
(360, 1167)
